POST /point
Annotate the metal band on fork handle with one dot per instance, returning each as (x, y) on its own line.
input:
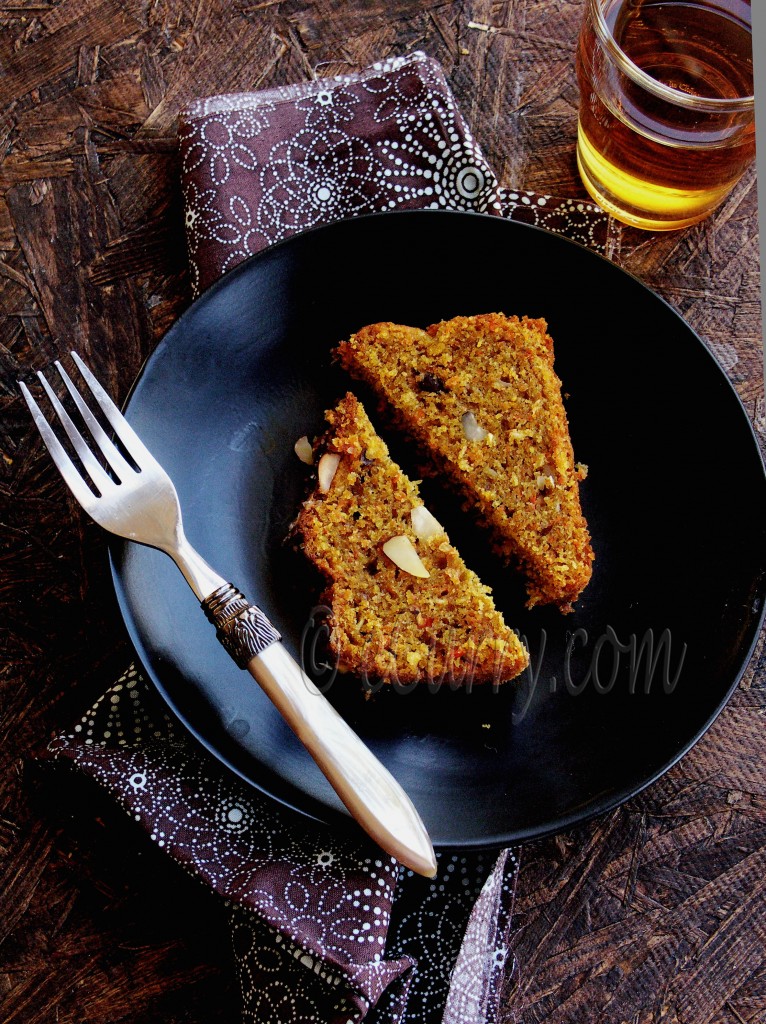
(242, 628)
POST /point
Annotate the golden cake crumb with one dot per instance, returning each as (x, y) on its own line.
(479, 396)
(387, 623)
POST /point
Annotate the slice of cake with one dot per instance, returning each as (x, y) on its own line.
(479, 396)
(403, 605)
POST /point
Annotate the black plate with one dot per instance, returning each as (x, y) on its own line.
(675, 497)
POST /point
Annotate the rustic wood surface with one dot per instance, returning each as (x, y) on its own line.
(656, 912)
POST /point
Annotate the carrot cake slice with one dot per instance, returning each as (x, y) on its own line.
(404, 607)
(480, 398)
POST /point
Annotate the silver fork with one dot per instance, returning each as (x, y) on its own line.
(139, 502)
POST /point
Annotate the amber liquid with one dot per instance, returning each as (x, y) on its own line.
(648, 161)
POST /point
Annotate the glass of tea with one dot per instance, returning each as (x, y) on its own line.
(667, 122)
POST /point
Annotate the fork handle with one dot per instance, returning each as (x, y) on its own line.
(370, 793)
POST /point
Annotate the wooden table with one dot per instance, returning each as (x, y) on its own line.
(656, 912)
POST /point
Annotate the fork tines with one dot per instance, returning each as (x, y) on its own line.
(98, 476)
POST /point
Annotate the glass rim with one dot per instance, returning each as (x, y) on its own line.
(708, 104)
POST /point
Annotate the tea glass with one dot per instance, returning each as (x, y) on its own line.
(666, 125)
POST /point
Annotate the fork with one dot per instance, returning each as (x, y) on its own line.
(136, 499)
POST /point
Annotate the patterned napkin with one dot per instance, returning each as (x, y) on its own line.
(257, 167)
(325, 927)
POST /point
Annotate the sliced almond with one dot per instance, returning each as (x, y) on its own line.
(424, 524)
(304, 451)
(326, 470)
(402, 553)
(472, 431)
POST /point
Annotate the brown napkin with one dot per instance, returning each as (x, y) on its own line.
(325, 928)
(258, 167)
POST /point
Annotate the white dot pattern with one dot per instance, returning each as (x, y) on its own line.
(259, 167)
